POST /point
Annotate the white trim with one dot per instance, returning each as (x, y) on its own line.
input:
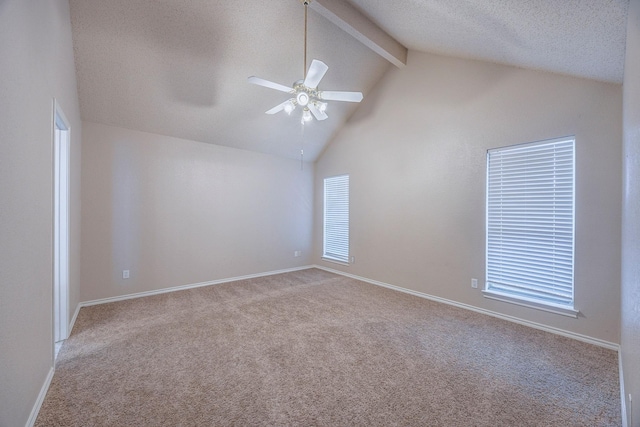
(191, 286)
(58, 110)
(601, 343)
(61, 150)
(557, 331)
(43, 393)
(73, 319)
(623, 395)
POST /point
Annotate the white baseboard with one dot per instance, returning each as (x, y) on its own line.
(579, 337)
(184, 287)
(73, 319)
(45, 387)
(557, 331)
(623, 396)
(43, 392)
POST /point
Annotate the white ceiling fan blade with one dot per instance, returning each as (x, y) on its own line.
(319, 115)
(331, 95)
(316, 72)
(266, 83)
(277, 108)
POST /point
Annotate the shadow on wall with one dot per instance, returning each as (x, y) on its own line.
(182, 38)
(189, 75)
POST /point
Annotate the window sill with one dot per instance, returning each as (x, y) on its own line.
(335, 261)
(564, 311)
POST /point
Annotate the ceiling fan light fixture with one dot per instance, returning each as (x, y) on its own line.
(302, 98)
(322, 106)
(289, 107)
(306, 115)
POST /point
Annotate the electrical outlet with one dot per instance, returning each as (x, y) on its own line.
(353, 260)
(125, 274)
(474, 283)
(297, 253)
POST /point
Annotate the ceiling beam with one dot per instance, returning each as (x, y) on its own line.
(349, 19)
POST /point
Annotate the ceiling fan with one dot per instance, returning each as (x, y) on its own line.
(305, 92)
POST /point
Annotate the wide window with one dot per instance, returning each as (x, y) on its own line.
(530, 223)
(336, 218)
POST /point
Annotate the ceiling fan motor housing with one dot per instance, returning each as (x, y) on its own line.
(304, 95)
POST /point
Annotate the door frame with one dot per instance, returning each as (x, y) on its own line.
(61, 230)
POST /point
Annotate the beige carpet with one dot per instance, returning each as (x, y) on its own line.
(311, 348)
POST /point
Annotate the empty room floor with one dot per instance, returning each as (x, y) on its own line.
(314, 348)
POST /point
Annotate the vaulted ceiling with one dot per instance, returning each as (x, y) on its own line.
(180, 67)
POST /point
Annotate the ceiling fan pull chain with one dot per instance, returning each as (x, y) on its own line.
(302, 147)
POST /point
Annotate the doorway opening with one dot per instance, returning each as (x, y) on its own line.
(61, 172)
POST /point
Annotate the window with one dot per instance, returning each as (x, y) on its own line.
(336, 219)
(530, 224)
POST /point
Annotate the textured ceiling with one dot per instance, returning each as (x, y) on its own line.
(584, 38)
(180, 67)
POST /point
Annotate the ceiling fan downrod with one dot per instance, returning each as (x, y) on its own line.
(304, 65)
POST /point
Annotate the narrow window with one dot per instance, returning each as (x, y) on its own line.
(530, 223)
(336, 219)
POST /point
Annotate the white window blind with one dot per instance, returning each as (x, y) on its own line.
(336, 218)
(530, 222)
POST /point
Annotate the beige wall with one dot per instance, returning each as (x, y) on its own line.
(630, 336)
(177, 212)
(36, 65)
(416, 155)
